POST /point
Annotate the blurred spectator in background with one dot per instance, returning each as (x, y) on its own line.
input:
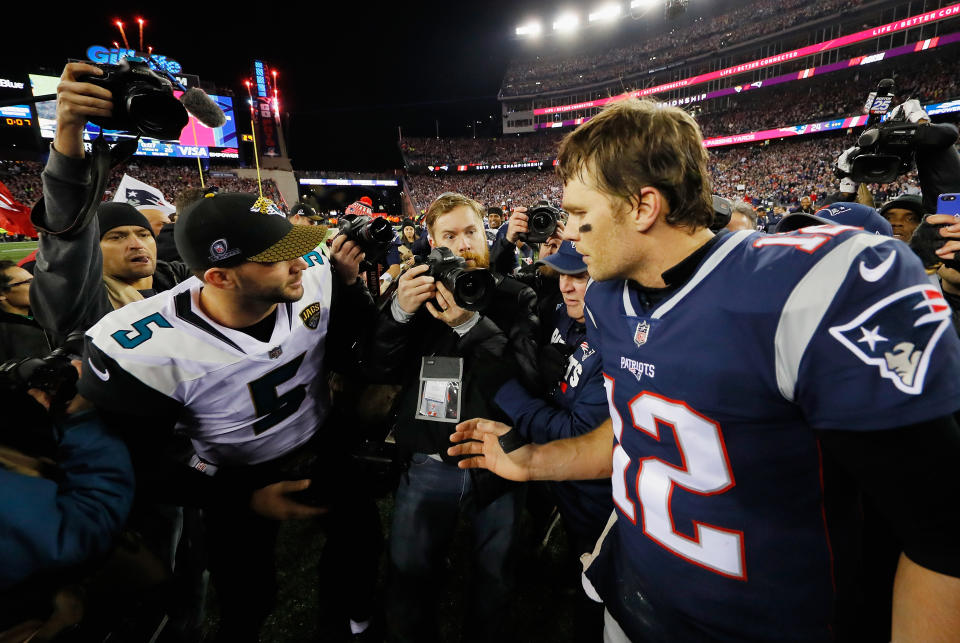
(904, 214)
(20, 334)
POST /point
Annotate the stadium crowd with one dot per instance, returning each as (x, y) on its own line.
(762, 17)
(22, 178)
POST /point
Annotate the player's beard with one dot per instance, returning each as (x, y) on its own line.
(273, 294)
(479, 260)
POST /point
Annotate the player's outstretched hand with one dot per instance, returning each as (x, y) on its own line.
(479, 438)
(450, 313)
(272, 501)
(517, 224)
(346, 257)
(414, 288)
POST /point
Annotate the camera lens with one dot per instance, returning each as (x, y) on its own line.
(379, 230)
(473, 288)
(157, 114)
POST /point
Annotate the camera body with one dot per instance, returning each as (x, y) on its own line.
(472, 288)
(372, 234)
(885, 152)
(53, 374)
(541, 223)
(143, 100)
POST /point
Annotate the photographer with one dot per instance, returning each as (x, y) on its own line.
(509, 252)
(84, 274)
(938, 161)
(68, 487)
(425, 320)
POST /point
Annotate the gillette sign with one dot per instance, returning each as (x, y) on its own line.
(99, 54)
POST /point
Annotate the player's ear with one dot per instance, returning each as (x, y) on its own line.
(646, 208)
(219, 278)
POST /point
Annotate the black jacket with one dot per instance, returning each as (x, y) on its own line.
(22, 337)
(68, 293)
(498, 347)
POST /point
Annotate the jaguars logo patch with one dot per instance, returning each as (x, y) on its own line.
(310, 316)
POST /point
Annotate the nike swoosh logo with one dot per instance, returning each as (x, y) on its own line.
(877, 273)
(103, 375)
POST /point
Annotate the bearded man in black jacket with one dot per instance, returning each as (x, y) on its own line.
(422, 322)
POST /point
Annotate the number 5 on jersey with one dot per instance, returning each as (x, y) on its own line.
(270, 407)
(705, 470)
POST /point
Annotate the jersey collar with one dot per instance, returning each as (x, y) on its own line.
(683, 277)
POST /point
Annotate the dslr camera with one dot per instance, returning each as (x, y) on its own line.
(472, 288)
(53, 374)
(885, 150)
(372, 234)
(541, 223)
(143, 100)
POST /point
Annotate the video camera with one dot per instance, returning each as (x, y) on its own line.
(472, 288)
(541, 223)
(143, 100)
(885, 150)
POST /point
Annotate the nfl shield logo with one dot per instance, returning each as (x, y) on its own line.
(275, 352)
(643, 331)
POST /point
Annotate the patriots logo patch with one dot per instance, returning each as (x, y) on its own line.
(898, 334)
(587, 351)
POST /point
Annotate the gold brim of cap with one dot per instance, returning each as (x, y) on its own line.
(299, 241)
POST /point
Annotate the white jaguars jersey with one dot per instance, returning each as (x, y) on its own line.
(243, 401)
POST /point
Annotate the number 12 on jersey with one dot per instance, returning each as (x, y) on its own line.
(704, 470)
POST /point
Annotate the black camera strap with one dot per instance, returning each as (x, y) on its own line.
(102, 160)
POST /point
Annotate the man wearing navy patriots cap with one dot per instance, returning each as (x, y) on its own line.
(575, 404)
(846, 214)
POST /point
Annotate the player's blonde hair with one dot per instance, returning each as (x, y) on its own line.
(634, 144)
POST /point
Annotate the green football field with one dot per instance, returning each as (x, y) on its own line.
(16, 251)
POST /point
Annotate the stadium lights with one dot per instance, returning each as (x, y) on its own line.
(566, 22)
(606, 12)
(642, 4)
(530, 29)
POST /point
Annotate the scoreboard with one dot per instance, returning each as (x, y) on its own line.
(16, 121)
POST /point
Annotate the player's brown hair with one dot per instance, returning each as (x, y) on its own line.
(447, 202)
(633, 144)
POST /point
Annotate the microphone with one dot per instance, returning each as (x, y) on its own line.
(203, 108)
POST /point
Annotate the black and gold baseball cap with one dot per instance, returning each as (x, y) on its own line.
(227, 228)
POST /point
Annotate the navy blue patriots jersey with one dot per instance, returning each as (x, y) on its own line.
(714, 393)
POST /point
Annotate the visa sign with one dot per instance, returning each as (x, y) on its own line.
(100, 54)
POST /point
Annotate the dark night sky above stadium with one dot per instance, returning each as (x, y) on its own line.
(350, 73)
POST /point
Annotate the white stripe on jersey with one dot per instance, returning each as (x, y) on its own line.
(232, 386)
(806, 306)
(726, 247)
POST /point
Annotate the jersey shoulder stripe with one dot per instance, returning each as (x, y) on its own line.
(811, 298)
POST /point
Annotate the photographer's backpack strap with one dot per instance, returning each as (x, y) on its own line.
(102, 160)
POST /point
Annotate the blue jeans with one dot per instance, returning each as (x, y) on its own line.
(425, 515)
